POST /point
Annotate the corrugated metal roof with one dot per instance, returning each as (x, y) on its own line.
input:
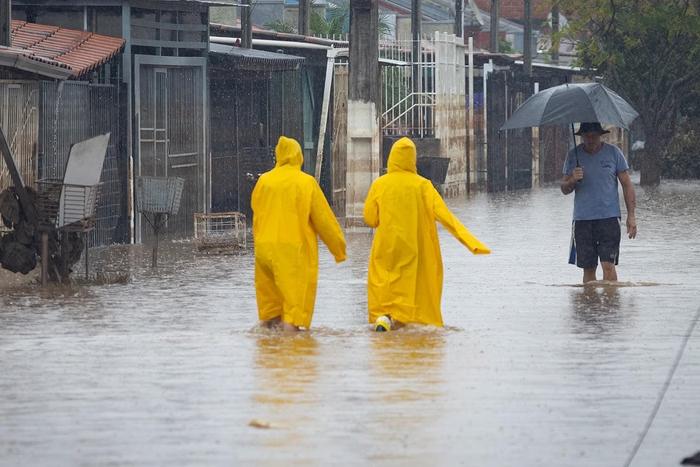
(257, 60)
(79, 51)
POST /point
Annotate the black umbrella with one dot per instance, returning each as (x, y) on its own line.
(567, 104)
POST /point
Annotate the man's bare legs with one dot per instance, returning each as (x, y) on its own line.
(273, 323)
(609, 272)
(589, 274)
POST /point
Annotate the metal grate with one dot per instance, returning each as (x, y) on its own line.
(221, 232)
(158, 195)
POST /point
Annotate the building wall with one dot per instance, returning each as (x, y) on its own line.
(450, 110)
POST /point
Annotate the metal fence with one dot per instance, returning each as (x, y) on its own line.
(19, 119)
(72, 111)
(408, 88)
(235, 175)
(509, 153)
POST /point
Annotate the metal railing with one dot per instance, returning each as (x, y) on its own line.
(408, 88)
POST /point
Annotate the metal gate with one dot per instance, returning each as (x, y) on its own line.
(72, 111)
(509, 153)
(170, 103)
(19, 119)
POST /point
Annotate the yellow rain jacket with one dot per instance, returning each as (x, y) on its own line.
(405, 266)
(289, 211)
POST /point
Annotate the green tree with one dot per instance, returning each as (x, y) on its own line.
(281, 26)
(337, 20)
(649, 52)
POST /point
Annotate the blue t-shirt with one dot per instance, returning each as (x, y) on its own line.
(596, 195)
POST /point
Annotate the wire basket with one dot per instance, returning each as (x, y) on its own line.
(66, 206)
(222, 231)
(158, 195)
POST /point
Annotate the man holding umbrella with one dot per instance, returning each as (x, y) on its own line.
(592, 171)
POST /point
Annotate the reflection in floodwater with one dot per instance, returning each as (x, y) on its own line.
(598, 309)
(410, 355)
(169, 367)
(287, 364)
(408, 365)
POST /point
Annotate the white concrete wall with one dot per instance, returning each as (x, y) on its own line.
(363, 157)
(450, 109)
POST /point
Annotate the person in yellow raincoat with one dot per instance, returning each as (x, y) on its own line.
(405, 268)
(289, 212)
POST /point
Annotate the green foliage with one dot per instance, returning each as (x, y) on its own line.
(505, 46)
(281, 26)
(336, 21)
(648, 51)
(682, 160)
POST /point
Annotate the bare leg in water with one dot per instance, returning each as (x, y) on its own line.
(277, 323)
(589, 274)
(609, 272)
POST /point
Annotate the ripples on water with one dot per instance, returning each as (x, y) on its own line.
(168, 366)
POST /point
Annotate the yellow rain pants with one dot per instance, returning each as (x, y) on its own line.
(405, 266)
(289, 211)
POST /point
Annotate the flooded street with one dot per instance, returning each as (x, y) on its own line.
(169, 367)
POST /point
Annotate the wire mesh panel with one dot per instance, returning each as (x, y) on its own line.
(158, 195)
(72, 111)
(220, 232)
(66, 206)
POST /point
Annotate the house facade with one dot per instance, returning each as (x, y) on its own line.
(163, 69)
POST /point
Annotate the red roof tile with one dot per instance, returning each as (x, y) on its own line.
(79, 51)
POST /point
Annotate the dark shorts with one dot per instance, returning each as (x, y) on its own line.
(595, 239)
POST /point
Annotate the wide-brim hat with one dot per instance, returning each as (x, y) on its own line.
(591, 127)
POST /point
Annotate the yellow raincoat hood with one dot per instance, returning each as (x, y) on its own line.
(405, 267)
(288, 152)
(402, 157)
(289, 213)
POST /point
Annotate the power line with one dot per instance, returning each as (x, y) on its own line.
(662, 394)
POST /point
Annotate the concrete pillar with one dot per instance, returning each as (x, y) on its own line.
(450, 111)
(364, 132)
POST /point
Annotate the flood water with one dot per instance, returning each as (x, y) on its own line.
(169, 367)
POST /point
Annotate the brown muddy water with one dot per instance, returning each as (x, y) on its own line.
(169, 367)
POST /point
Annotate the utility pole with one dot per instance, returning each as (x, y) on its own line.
(417, 54)
(246, 26)
(304, 17)
(527, 39)
(364, 107)
(495, 14)
(5, 27)
(459, 18)
(555, 33)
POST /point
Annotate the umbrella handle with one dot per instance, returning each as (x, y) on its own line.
(575, 147)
